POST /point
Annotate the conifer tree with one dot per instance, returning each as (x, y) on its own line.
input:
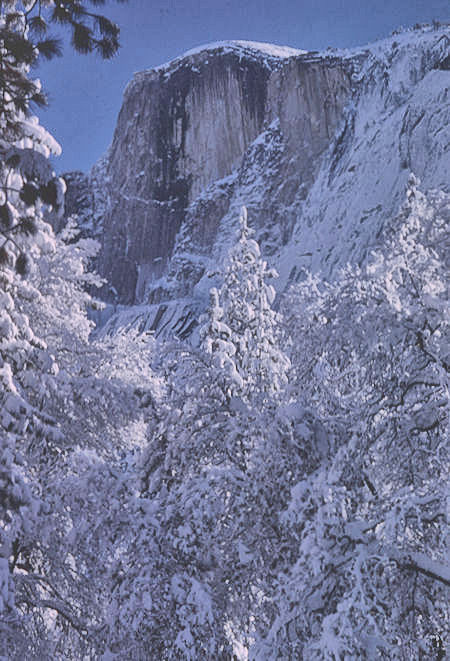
(195, 582)
(246, 299)
(32, 442)
(26, 178)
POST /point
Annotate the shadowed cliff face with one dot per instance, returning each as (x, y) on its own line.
(177, 132)
(181, 128)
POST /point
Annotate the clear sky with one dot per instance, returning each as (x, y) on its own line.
(86, 93)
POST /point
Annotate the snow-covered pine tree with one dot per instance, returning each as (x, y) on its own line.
(26, 177)
(41, 332)
(246, 300)
(24, 148)
(197, 579)
(24, 359)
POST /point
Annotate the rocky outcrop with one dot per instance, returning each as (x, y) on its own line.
(318, 146)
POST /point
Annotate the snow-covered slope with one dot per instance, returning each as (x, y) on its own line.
(397, 122)
(318, 146)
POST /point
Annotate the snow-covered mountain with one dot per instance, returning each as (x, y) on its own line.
(318, 146)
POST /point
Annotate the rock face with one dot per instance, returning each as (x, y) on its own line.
(318, 146)
(189, 124)
(179, 129)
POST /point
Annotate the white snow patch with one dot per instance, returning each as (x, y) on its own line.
(268, 49)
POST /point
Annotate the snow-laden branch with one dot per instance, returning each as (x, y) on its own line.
(421, 563)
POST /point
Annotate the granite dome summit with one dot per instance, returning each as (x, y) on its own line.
(272, 52)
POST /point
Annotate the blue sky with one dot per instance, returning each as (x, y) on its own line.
(86, 93)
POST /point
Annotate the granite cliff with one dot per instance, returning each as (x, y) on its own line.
(318, 146)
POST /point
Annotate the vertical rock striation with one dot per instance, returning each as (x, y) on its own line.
(180, 128)
(189, 124)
